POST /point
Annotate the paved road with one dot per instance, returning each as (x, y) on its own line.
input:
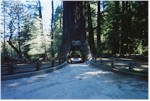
(76, 81)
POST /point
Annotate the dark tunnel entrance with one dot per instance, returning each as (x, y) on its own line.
(75, 54)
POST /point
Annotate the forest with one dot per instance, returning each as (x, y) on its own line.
(117, 28)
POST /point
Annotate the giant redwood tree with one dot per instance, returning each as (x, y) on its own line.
(73, 27)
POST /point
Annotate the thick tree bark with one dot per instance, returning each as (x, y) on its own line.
(73, 27)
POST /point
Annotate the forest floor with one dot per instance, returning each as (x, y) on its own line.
(76, 81)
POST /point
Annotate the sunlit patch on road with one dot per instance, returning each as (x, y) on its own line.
(13, 84)
(98, 72)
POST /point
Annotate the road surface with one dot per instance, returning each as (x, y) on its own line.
(76, 81)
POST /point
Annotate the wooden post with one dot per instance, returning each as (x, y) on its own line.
(130, 65)
(95, 58)
(52, 63)
(112, 63)
(38, 64)
(10, 68)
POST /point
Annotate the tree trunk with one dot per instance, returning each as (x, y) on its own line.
(98, 30)
(4, 33)
(121, 50)
(40, 9)
(129, 28)
(4, 11)
(19, 40)
(52, 34)
(18, 52)
(73, 27)
(60, 21)
(116, 29)
(10, 41)
(90, 30)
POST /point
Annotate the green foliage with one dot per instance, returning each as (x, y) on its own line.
(35, 44)
(134, 32)
(130, 28)
(58, 30)
(32, 39)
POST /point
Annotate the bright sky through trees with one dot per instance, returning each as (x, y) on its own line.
(46, 12)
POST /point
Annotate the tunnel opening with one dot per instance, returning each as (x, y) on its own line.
(76, 53)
